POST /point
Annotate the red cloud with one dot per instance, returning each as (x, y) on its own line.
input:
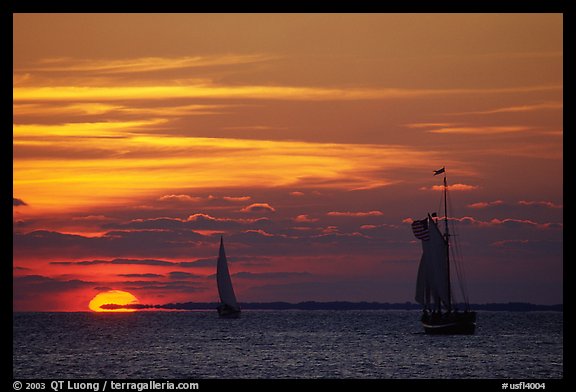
(97, 218)
(484, 204)
(236, 198)
(507, 222)
(304, 218)
(543, 203)
(453, 187)
(182, 198)
(355, 214)
(200, 217)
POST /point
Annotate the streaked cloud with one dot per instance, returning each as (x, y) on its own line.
(93, 218)
(180, 198)
(304, 218)
(116, 110)
(541, 203)
(258, 207)
(183, 275)
(140, 64)
(530, 245)
(254, 127)
(271, 275)
(358, 214)
(452, 187)
(95, 130)
(430, 125)
(485, 204)
(69, 109)
(153, 262)
(137, 164)
(198, 221)
(233, 199)
(515, 222)
(184, 198)
(508, 222)
(41, 283)
(210, 91)
(152, 276)
(481, 130)
(518, 108)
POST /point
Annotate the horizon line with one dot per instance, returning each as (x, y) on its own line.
(316, 305)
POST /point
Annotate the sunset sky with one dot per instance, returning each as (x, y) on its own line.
(308, 141)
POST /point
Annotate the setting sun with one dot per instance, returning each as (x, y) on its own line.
(115, 297)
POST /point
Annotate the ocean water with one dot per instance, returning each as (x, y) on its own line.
(283, 345)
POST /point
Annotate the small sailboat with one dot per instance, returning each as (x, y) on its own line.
(228, 307)
(433, 285)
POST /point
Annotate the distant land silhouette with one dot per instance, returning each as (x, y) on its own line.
(338, 305)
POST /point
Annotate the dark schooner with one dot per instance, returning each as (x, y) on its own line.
(433, 286)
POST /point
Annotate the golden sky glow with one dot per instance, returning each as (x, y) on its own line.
(138, 163)
(308, 140)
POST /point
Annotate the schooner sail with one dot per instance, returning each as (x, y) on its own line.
(228, 307)
(433, 284)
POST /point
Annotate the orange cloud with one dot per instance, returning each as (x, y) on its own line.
(236, 198)
(488, 130)
(508, 222)
(518, 108)
(542, 203)
(258, 207)
(304, 219)
(119, 163)
(63, 109)
(429, 125)
(453, 187)
(111, 129)
(484, 204)
(141, 64)
(207, 89)
(181, 198)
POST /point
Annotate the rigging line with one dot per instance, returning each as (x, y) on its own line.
(440, 204)
(457, 256)
(460, 271)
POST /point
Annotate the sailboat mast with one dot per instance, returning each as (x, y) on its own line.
(447, 237)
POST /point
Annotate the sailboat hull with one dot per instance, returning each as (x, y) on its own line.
(449, 323)
(225, 311)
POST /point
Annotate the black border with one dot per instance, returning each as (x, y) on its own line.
(251, 6)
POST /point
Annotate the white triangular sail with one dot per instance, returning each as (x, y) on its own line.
(225, 289)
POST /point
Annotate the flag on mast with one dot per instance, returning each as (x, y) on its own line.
(439, 171)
